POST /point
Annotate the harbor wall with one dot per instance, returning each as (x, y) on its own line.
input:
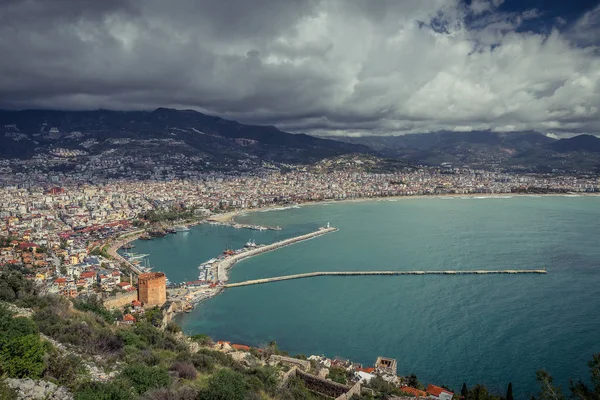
(366, 273)
(224, 265)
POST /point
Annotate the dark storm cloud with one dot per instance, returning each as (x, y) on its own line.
(306, 65)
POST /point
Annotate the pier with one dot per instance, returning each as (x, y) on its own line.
(394, 273)
(224, 265)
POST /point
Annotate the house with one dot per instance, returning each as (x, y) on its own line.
(128, 319)
(439, 393)
(240, 347)
(136, 304)
(363, 377)
(61, 282)
(124, 285)
(413, 392)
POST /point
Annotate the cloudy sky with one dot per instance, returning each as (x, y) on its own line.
(317, 66)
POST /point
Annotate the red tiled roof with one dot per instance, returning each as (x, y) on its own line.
(128, 317)
(367, 370)
(436, 390)
(240, 347)
(123, 284)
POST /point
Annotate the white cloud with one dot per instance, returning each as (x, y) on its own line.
(321, 66)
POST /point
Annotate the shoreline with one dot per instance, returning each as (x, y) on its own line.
(222, 267)
(228, 217)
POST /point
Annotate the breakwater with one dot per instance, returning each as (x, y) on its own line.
(365, 273)
(227, 263)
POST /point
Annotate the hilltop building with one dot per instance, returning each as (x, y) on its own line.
(152, 288)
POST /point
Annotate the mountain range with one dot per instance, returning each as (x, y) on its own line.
(163, 131)
(518, 151)
(210, 142)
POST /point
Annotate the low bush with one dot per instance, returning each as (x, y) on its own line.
(23, 357)
(184, 370)
(225, 385)
(65, 369)
(115, 390)
(144, 378)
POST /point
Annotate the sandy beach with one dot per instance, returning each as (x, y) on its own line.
(229, 216)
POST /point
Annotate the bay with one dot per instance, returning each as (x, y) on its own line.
(446, 329)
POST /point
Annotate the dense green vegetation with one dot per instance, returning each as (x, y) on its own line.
(174, 214)
(154, 364)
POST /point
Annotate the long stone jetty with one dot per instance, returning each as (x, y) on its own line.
(224, 265)
(363, 273)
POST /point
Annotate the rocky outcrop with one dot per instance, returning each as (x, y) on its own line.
(28, 389)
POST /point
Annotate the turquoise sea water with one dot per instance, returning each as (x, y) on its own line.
(446, 329)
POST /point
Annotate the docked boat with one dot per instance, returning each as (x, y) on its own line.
(250, 244)
(182, 228)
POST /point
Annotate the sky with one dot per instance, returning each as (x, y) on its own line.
(338, 67)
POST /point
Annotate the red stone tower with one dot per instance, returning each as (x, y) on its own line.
(152, 288)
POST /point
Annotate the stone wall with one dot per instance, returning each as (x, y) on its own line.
(289, 361)
(120, 300)
(323, 386)
(355, 390)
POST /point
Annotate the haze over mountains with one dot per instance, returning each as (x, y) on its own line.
(217, 142)
(528, 150)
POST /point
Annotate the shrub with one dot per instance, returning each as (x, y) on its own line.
(63, 368)
(182, 393)
(338, 375)
(94, 305)
(144, 378)
(11, 328)
(172, 327)
(184, 370)
(218, 357)
(202, 339)
(203, 362)
(23, 356)
(116, 390)
(106, 342)
(225, 385)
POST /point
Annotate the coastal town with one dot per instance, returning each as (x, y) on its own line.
(65, 231)
(73, 237)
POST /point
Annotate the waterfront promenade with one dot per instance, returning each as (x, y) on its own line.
(223, 266)
(367, 273)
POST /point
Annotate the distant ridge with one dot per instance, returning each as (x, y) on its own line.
(216, 139)
(519, 151)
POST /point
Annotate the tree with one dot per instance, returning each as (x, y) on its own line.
(580, 390)
(464, 392)
(225, 385)
(413, 381)
(338, 375)
(23, 356)
(509, 394)
(548, 390)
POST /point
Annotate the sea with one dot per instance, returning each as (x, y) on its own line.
(487, 329)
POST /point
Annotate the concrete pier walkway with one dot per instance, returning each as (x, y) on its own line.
(364, 273)
(224, 265)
